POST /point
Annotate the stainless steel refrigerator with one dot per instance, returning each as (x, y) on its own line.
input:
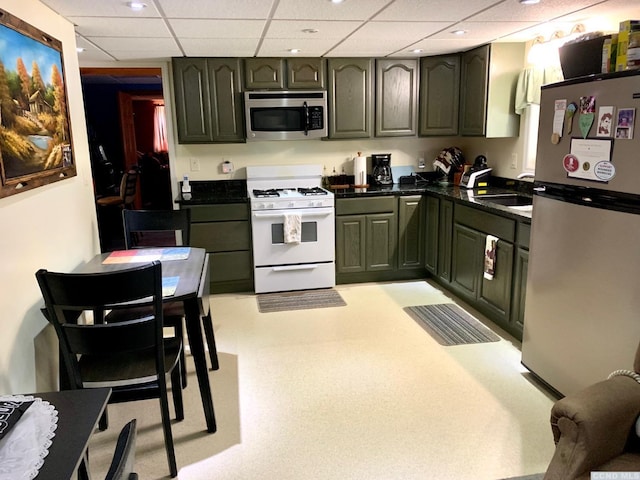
(582, 311)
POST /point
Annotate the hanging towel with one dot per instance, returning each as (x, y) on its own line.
(490, 256)
(292, 228)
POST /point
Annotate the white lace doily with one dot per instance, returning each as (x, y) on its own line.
(25, 446)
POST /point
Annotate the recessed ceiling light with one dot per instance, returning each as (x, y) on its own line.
(79, 49)
(336, 1)
(294, 50)
(528, 2)
(137, 6)
(459, 32)
(417, 50)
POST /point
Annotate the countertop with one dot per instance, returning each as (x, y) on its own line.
(235, 191)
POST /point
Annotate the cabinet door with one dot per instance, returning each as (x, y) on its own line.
(410, 232)
(439, 95)
(350, 97)
(396, 97)
(519, 292)
(473, 94)
(350, 243)
(466, 262)
(445, 239)
(495, 294)
(305, 73)
(432, 217)
(226, 99)
(264, 73)
(381, 238)
(193, 111)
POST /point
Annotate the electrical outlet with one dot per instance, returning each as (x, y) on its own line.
(421, 162)
(514, 161)
(195, 165)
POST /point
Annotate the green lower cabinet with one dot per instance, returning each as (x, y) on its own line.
(350, 244)
(431, 233)
(519, 290)
(224, 231)
(492, 297)
(380, 242)
(445, 240)
(365, 243)
(410, 232)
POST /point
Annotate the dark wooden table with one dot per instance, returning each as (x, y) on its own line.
(192, 290)
(78, 415)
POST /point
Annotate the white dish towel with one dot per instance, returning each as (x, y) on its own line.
(292, 228)
(490, 246)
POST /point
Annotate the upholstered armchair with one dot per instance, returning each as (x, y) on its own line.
(595, 429)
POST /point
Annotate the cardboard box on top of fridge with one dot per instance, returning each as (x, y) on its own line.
(626, 28)
(609, 53)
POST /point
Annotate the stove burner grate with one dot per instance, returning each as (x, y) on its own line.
(266, 193)
(312, 191)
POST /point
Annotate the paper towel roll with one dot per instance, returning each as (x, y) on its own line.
(360, 171)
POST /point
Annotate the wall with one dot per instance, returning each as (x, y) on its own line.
(51, 227)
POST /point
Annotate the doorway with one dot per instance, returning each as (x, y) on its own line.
(123, 107)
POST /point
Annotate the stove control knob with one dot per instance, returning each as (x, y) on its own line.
(292, 204)
(259, 206)
(269, 205)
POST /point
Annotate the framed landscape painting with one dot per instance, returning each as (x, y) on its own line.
(35, 134)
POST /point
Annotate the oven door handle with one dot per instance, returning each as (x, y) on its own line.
(280, 215)
(307, 266)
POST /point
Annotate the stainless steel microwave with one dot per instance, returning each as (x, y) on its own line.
(285, 115)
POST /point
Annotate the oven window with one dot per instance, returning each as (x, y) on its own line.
(309, 232)
(277, 119)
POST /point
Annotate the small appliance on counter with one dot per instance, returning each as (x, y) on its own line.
(478, 175)
(381, 169)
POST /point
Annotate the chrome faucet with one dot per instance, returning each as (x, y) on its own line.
(526, 175)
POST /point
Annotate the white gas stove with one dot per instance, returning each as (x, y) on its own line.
(293, 228)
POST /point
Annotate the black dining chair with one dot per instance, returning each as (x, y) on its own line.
(158, 228)
(130, 356)
(124, 456)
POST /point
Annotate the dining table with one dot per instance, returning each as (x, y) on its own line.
(189, 267)
(53, 435)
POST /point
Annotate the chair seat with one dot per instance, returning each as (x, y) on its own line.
(109, 201)
(134, 368)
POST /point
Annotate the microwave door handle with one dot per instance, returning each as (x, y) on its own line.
(306, 118)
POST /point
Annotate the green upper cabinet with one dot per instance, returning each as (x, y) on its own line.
(285, 73)
(396, 97)
(439, 95)
(208, 99)
(489, 75)
(350, 84)
(264, 73)
(306, 73)
(193, 110)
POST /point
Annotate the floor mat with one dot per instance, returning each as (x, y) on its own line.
(302, 300)
(449, 325)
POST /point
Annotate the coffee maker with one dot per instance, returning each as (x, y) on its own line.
(381, 169)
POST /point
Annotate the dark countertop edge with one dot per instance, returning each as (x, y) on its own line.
(446, 191)
(210, 200)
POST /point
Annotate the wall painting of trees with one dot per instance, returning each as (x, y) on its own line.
(35, 135)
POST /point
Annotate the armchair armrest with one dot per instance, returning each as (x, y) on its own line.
(592, 426)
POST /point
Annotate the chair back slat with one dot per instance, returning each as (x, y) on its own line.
(140, 221)
(68, 295)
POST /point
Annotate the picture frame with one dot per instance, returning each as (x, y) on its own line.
(36, 146)
(625, 123)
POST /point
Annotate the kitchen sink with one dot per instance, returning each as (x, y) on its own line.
(507, 199)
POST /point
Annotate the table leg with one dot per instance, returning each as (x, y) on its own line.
(194, 334)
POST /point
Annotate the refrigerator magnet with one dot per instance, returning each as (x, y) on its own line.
(605, 171)
(605, 121)
(559, 109)
(626, 120)
(570, 163)
(587, 114)
(588, 153)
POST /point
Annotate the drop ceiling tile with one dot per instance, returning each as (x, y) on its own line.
(99, 8)
(432, 11)
(246, 9)
(485, 31)
(142, 55)
(279, 47)
(326, 29)
(189, 28)
(120, 27)
(220, 47)
(402, 31)
(442, 46)
(543, 11)
(122, 44)
(325, 10)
